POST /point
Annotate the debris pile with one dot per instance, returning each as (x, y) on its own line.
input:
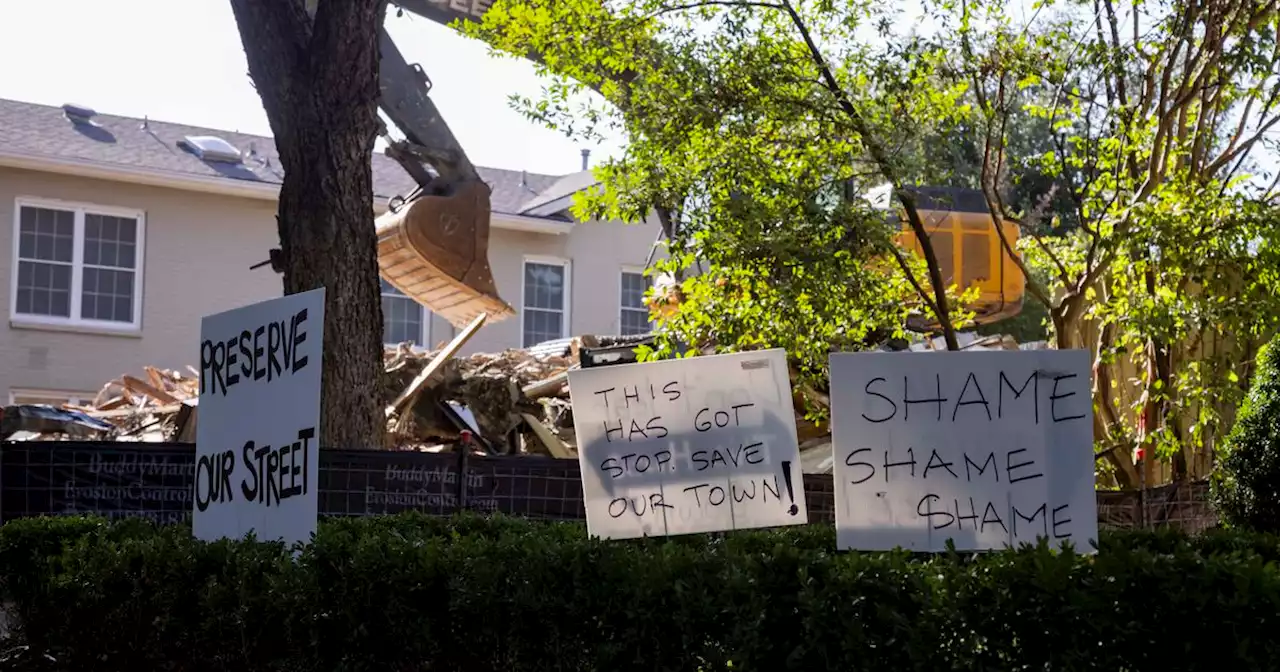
(158, 406)
(495, 395)
(510, 402)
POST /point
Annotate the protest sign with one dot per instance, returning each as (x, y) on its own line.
(258, 435)
(689, 445)
(983, 448)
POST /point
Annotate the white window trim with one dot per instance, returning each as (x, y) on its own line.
(52, 397)
(568, 291)
(427, 317)
(638, 270)
(77, 266)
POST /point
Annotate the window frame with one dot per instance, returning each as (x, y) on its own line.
(622, 272)
(78, 210)
(61, 396)
(427, 316)
(566, 299)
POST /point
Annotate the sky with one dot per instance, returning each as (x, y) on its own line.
(181, 61)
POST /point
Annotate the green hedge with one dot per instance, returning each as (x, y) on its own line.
(470, 593)
(1246, 481)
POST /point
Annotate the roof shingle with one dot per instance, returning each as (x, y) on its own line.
(43, 130)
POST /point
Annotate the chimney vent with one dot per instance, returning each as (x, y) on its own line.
(78, 113)
(586, 158)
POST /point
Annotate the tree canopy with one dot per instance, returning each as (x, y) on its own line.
(1123, 136)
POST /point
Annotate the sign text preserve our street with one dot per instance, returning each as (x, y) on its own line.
(690, 445)
(257, 438)
(986, 449)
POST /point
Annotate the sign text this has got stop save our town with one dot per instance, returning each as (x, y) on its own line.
(690, 445)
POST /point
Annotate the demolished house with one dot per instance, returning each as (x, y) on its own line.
(508, 403)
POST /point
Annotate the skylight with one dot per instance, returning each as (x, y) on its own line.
(211, 148)
(78, 113)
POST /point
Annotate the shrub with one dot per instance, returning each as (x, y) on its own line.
(1245, 484)
(410, 592)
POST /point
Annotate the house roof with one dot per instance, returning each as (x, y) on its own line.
(558, 196)
(132, 144)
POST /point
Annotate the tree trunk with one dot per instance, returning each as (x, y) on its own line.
(317, 75)
(940, 306)
(1107, 429)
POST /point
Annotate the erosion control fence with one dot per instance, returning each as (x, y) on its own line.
(155, 481)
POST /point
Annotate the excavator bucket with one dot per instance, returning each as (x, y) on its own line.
(435, 249)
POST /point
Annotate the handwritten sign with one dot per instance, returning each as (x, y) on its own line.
(258, 437)
(984, 448)
(691, 445)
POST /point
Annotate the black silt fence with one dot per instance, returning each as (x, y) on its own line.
(155, 481)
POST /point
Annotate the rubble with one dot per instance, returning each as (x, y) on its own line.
(491, 386)
(510, 402)
(500, 393)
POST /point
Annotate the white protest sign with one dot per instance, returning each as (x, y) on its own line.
(258, 437)
(690, 445)
(984, 448)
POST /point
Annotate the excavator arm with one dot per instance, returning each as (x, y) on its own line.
(433, 242)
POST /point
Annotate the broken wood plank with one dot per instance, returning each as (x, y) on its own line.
(553, 443)
(111, 404)
(126, 412)
(105, 393)
(153, 374)
(137, 385)
(436, 362)
(546, 388)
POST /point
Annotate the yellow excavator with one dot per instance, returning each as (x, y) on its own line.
(433, 243)
(969, 252)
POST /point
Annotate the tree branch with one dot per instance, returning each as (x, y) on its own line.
(716, 3)
(911, 278)
(1272, 193)
(878, 154)
(1243, 147)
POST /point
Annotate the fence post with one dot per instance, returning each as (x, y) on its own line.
(1142, 498)
(464, 448)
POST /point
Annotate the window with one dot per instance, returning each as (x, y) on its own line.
(403, 319)
(546, 300)
(50, 397)
(77, 265)
(635, 315)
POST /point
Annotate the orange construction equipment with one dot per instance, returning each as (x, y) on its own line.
(960, 228)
